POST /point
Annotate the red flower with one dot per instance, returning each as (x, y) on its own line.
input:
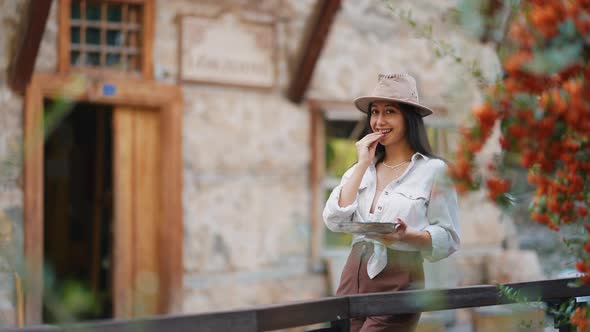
(486, 115)
(581, 266)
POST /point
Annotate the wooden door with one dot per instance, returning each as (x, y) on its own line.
(137, 173)
(147, 180)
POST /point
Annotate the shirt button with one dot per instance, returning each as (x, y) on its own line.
(386, 193)
(379, 208)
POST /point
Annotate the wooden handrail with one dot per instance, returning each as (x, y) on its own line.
(463, 297)
(280, 316)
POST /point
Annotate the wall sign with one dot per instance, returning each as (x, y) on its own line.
(227, 50)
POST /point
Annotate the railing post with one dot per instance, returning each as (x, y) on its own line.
(342, 325)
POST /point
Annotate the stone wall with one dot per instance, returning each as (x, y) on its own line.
(369, 38)
(11, 195)
(246, 193)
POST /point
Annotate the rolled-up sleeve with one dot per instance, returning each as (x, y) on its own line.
(443, 217)
(333, 212)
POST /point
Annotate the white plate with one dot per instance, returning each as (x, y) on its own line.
(366, 227)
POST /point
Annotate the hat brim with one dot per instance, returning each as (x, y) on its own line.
(362, 103)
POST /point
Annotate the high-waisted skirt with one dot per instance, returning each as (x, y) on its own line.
(404, 271)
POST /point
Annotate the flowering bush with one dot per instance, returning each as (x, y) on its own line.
(542, 106)
(580, 319)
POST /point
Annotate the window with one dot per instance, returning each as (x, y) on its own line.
(441, 135)
(106, 34)
(340, 136)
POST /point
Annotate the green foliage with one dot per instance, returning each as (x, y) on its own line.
(55, 114)
(69, 301)
(333, 240)
(564, 50)
(514, 295)
(561, 311)
(556, 58)
(340, 155)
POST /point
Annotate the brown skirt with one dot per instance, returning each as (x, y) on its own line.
(404, 271)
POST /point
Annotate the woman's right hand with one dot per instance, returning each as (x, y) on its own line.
(366, 147)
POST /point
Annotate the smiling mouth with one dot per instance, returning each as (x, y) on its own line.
(384, 131)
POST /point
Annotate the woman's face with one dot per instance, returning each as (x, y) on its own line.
(387, 117)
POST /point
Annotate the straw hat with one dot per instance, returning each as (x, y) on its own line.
(400, 88)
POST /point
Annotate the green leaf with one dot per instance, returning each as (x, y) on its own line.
(342, 155)
(539, 113)
(525, 101)
(548, 61)
(568, 29)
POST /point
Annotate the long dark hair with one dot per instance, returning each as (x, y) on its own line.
(415, 132)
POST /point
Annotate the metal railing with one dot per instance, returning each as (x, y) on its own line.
(336, 310)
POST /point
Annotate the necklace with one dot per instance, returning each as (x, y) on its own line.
(396, 165)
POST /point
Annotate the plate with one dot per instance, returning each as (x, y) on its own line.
(367, 227)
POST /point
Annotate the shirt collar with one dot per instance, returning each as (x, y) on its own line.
(414, 157)
(418, 154)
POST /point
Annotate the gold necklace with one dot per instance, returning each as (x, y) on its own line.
(396, 165)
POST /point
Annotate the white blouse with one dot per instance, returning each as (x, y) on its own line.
(423, 197)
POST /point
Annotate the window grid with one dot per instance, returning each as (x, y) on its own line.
(103, 31)
(105, 34)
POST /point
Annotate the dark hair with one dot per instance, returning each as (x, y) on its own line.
(415, 132)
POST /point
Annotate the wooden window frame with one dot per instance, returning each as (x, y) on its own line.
(317, 171)
(164, 99)
(443, 128)
(148, 23)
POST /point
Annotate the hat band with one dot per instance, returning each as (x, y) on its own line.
(412, 100)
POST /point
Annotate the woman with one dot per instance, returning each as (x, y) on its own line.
(396, 179)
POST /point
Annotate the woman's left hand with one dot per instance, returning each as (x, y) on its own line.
(400, 233)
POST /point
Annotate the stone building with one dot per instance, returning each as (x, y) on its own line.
(184, 164)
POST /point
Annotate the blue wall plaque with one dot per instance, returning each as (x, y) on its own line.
(109, 89)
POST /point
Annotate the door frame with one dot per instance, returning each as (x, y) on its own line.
(116, 91)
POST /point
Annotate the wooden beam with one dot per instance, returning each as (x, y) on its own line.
(317, 32)
(316, 179)
(23, 62)
(171, 257)
(33, 201)
(147, 52)
(123, 131)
